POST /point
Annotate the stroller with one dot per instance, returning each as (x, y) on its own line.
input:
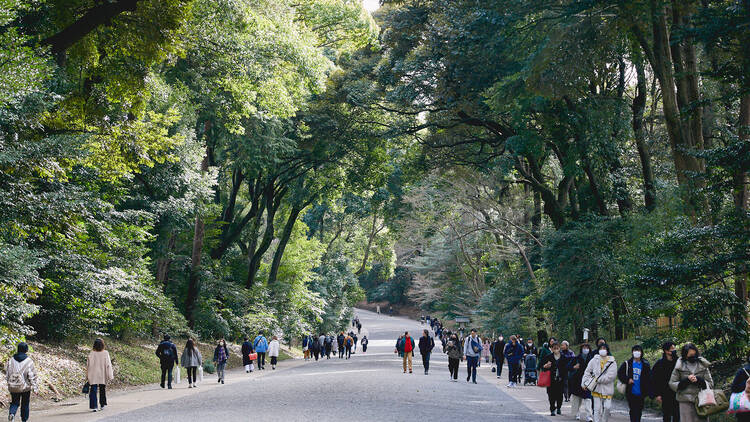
(529, 370)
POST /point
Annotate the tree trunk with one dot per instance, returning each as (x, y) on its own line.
(639, 130)
(273, 201)
(162, 265)
(285, 235)
(232, 230)
(198, 237)
(741, 181)
(373, 232)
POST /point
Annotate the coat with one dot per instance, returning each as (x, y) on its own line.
(496, 349)
(167, 353)
(216, 354)
(188, 359)
(559, 368)
(469, 350)
(575, 376)
(24, 366)
(99, 368)
(625, 374)
(247, 348)
(514, 353)
(543, 352)
(606, 380)
(260, 344)
(660, 374)
(273, 348)
(686, 390)
(426, 344)
(453, 349)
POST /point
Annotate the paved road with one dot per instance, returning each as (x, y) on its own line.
(368, 387)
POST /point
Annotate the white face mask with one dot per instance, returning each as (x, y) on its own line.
(585, 351)
(603, 352)
(637, 354)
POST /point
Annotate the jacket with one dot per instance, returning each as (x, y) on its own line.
(348, 342)
(306, 340)
(99, 368)
(247, 348)
(468, 350)
(191, 359)
(559, 368)
(660, 374)
(216, 354)
(605, 385)
(543, 352)
(576, 376)
(167, 353)
(426, 344)
(260, 344)
(273, 348)
(514, 353)
(401, 345)
(453, 349)
(530, 350)
(23, 366)
(496, 349)
(625, 374)
(686, 390)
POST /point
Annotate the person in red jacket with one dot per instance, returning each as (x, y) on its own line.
(407, 347)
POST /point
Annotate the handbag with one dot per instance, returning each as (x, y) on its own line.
(177, 376)
(493, 368)
(720, 400)
(200, 373)
(545, 379)
(706, 397)
(86, 388)
(253, 356)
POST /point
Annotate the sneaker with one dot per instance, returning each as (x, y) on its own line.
(94, 410)
(410, 371)
(161, 385)
(558, 412)
(510, 384)
(102, 407)
(11, 417)
(169, 387)
(190, 385)
(578, 418)
(474, 382)
(222, 381)
(552, 413)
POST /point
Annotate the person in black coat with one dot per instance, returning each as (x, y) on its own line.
(167, 353)
(660, 374)
(497, 350)
(247, 349)
(581, 404)
(426, 344)
(739, 385)
(555, 363)
(635, 373)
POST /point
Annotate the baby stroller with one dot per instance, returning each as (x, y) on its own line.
(529, 370)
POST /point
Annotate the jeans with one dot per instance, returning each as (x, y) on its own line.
(500, 363)
(471, 367)
(20, 400)
(453, 367)
(636, 407)
(261, 360)
(341, 352)
(514, 371)
(274, 360)
(102, 396)
(670, 408)
(348, 352)
(166, 372)
(555, 395)
(580, 407)
(220, 370)
(192, 374)
(426, 361)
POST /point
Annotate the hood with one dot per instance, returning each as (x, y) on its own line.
(701, 360)
(20, 357)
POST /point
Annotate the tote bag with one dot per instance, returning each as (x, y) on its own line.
(177, 376)
(545, 379)
(253, 356)
(720, 403)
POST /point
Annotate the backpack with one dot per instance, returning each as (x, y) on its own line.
(17, 376)
(166, 353)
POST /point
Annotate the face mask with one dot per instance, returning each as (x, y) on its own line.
(692, 359)
(585, 351)
(530, 344)
(603, 352)
(674, 354)
(637, 355)
(501, 338)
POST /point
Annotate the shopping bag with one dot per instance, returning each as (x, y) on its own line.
(739, 403)
(621, 388)
(545, 379)
(177, 376)
(721, 404)
(253, 356)
(706, 397)
(200, 373)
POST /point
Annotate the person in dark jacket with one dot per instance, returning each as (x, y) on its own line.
(426, 344)
(306, 343)
(497, 350)
(555, 363)
(529, 348)
(328, 346)
(739, 385)
(660, 374)
(514, 352)
(364, 342)
(167, 354)
(247, 349)
(635, 373)
(316, 350)
(221, 356)
(340, 339)
(581, 404)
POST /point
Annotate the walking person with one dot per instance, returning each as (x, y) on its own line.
(568, 355)
(247, 350)
(740, 384)
(426, 344)
(21, 376)
(406, 347)
(340, 340)
(221, 355)
(599, 378)
(486, 350)
(260, 344)
(498, 353)
(273, 351)
(635, 374)
(472, 351)
(316, 350)
(328, 346)
(191, 359)
(354, 337)
(99, 372)
(306, 343)
(555, 363)
(662, 372)
(580, 399)
(513, 352)
(348, 344)
(167, 354)
(365, 341)
(455, 354)
(690, 375)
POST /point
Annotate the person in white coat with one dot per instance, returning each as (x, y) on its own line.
(22, 380)
(599, 379)
(273, 351)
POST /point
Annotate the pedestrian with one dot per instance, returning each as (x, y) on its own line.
(472, 351)
(273, 351)
(390, 310)
(661, 373)
(568, 355)
(167, 353)
(426, 344)
(555, 363)
(406, 347)
(306, 343)
(348, 344)
(321, 339)
(740, 384)
(690, 375)
(247, 350)
(581, 399)
(399, 346)
(543, 352)
(599, 378)
(486, 350)
(365, 341)
(340, 340)
(354, 337)
(21, 376)
(328, 346)
(260, 344)
(377, 309)
(513, 352)
(498, 349)
(635, 374)
(99, 372)
(191, 359)
(316, 350)
(455, 354)
(221, 356)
